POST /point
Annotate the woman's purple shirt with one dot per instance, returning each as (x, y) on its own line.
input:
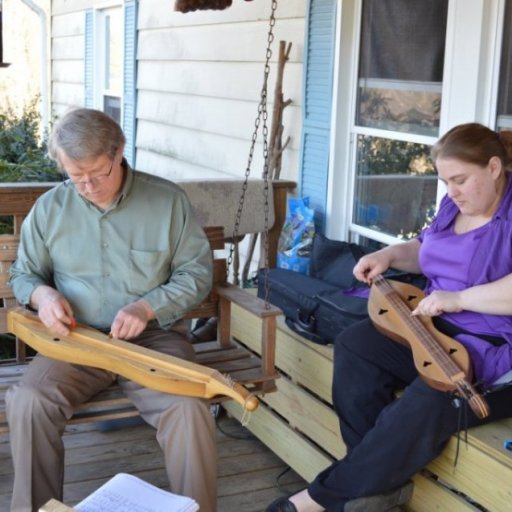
(454, 262)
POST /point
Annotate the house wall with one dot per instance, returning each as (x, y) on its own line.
(67, 54)
(199, 79)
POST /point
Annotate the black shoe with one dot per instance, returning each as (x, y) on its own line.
(382, 502)
(282, 504)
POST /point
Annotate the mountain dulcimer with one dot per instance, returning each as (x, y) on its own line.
(161, 372)
(440, 360)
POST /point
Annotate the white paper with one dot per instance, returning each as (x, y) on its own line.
(128, 493)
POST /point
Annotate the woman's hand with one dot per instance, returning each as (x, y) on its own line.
(402, 256)
(371, 265)
(439, 302)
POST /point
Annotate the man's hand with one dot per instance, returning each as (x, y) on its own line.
(131, 320)
(53, 310)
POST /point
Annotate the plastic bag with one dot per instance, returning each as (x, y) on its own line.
(296, 239)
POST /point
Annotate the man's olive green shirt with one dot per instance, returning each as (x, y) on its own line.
(147, 245)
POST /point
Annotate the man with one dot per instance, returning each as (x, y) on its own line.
(121, 251)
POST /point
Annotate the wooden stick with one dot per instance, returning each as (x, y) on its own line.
(279, 105)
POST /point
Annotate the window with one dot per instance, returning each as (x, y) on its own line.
(110, 61)
(110, 66)
(395, 186)
(504, 119)
(401, 65)
(397, 116)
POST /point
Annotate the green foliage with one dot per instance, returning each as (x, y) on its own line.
(378, 155)
(23, 154)
(6, 225)
(39, 168)
(7, 346)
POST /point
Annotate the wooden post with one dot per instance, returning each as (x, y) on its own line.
(224, 326)
(268, 352)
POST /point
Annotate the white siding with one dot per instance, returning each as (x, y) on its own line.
(199, 82)
(199, 79)
(67, 60)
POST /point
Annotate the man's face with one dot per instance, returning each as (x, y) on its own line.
(98, 179)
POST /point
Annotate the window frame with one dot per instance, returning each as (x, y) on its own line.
(506, 120)
(472, 29)
(99, 29)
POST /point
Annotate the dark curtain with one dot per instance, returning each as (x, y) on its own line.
(505, 85)
(194, 5)
(403, 39)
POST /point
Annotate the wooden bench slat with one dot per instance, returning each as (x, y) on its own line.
(111, 395)
(17, 199)
(11, 372)
(206, 310)
(222, 355)
(107, 416)
(230, 367)
(254, 378)
(8, 248)
(209, 346)
(5, 290)
(118, 402)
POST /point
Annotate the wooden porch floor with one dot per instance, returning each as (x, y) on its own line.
(248, 471)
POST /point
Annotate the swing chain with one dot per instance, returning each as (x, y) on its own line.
(262, 115)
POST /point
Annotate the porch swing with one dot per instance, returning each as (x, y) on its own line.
(224, 369)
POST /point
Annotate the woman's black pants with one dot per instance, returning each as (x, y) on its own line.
(388, 440)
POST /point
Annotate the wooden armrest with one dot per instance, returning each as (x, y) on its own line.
(247, 301)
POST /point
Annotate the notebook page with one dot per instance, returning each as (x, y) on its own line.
(128, 493)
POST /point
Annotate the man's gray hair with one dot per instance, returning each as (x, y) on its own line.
(85, 133)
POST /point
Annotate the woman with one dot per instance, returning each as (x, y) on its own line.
(466, 254)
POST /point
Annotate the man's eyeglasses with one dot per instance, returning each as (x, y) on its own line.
(93, 179)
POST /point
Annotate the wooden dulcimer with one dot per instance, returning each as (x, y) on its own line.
(161, 372)
(441, 361)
